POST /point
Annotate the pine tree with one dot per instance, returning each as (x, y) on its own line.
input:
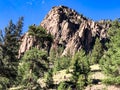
(49, 78)
(97, 52)
(81, 68)
(9, 44)
(110, 62)
(32, 66)
(11, 39)
(40, 35)
(61, 63)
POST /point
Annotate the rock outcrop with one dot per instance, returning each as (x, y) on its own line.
(70, 30)
(27, 43)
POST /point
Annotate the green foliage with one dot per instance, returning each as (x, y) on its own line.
(55, 54)
(97, 52)
(9, 45)
(1, 60)
(32, 66)
(57, 66)
(112, 81)
(59, 62)
(3, 83)
(81, 82)
(81, 70)
(49, 78)
(40, 35)
(62, 63)
(116, 23)
(110, 62)
(11, 39)
(64, 86)
(59, 50)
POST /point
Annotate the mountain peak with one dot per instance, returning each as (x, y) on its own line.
(71, 30)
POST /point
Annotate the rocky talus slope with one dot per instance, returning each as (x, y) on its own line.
(70, 30)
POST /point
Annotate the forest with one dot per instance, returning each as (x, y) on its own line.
(40, 68)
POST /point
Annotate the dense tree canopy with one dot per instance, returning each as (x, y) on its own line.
(9, 46)
(110, 62)
(37, 63)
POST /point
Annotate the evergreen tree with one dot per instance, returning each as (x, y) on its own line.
(62, 63)
(97, 52)
(57, 66)
(11, 39)
(110, 62)
(32, 66)
(9, 44)
(40, 35)
(49, 78)
(81, 70)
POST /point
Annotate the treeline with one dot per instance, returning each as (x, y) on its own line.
(43, 63)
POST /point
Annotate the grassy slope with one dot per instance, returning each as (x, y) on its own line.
(96, 75)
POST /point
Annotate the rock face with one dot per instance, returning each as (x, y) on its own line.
(27, 43)
(70, 30)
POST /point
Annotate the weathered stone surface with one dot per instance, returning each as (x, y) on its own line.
(70, 30)
(27, 43)
(73, 30)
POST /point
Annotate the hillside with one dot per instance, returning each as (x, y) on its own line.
(67, 51)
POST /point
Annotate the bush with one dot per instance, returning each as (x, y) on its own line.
(112, 81)
(64, 86)
(3, 83)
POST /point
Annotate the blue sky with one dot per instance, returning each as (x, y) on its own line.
(35, 10)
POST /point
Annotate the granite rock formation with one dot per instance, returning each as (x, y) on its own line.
(70, 30)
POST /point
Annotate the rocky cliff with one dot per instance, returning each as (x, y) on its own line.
(70, 30)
